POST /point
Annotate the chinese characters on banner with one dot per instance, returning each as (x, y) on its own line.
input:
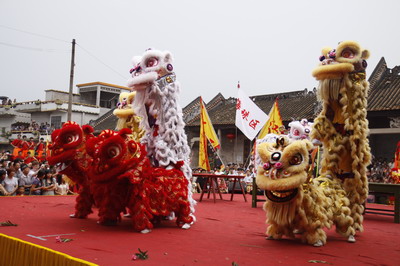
(249, 117)
(274, 122)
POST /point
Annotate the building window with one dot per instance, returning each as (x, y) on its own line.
(55, 121)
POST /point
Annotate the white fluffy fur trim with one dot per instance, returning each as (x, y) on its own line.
(136, 60)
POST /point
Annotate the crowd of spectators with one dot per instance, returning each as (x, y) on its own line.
(379, 171)
(5, 101)
(226, 184)
(18, 178)
(33, 126)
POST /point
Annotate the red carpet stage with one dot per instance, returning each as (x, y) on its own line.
(225, 232)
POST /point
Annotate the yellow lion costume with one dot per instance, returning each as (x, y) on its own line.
(294, 202)
(126, 115)
(342, 126)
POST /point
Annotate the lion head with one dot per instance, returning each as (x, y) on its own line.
(113, 153)
(149, 67)
(284, 169)
(124, 106)
(348, 61)
(346, 58)
(68, 146)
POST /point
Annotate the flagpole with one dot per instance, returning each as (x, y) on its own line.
(217, 155)
(235, 148)
(317, 164)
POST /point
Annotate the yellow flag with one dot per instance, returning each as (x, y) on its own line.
(206, 132)
(208, 128)
(274, 122)
(203, 155)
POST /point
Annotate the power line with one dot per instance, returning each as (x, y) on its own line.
(35, 34)
(33, 48)
(116, 72)
(51, 50)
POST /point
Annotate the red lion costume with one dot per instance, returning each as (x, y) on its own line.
(121, 176)
(70, 156)
(115, 173)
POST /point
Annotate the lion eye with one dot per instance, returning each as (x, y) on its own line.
(70, 138)
(113, 151)
(296, 159)
(151, 62)
(347, 53)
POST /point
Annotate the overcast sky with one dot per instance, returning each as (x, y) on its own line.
(270, 46)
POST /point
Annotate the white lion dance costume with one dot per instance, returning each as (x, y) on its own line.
(156, 102)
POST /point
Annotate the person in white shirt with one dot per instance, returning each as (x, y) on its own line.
(24, 180)
(10, 183)
(249, 180)
(62, 188)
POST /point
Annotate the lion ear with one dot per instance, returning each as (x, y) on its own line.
(365, 54)
(309, 145)
(168, 57)
(87, 129)
(55, 134)
(125, 132)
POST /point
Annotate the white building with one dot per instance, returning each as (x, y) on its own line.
(92, 101)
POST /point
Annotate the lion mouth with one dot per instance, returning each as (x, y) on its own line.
(62, 166)
(281, 195)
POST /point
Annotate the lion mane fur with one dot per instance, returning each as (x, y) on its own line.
(342, 126)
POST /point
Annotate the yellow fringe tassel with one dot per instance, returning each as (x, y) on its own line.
(16, 252)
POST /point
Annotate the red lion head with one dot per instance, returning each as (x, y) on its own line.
(68, 147)
(114, 154)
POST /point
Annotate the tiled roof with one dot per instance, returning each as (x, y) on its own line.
(378, 72)
(106, 121)
(192, 111)
(385, 89)
(292, 105)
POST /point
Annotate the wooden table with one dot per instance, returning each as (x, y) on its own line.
(212, 182)
(390, 189)
(254, 198)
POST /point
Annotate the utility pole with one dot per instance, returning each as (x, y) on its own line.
(71, 81)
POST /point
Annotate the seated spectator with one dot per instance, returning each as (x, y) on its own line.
(249, 180)
(10, 183)
(62, 187)
(6, 156)
(3, 174)
(37, 184)
(49, 184)
(20, 156)
(34, 165)
(21, 191)
(3, 165)
(16, 166)
(26, 180)
(30, 158)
